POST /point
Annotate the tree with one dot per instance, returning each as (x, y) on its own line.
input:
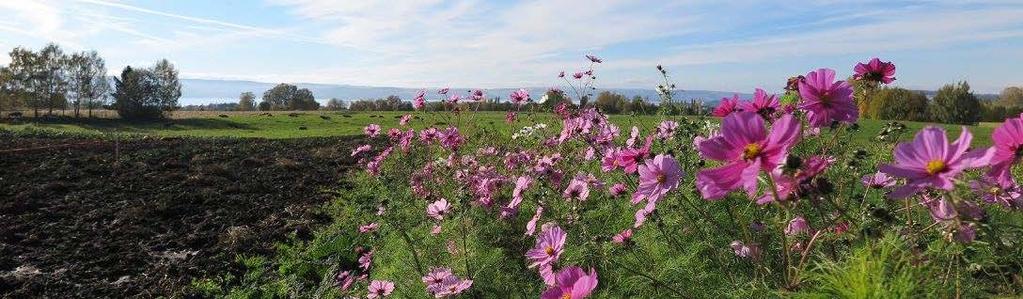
(1011, 97)
(893, 103)
(247, 101)
(168, 88)
(136, 95)
(955, 104)
(52, 77)
(289, 97)
(335, 104)
(88, 79)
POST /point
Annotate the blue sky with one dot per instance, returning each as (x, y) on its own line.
(713, 45)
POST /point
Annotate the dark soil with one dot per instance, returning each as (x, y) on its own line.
(90, 218)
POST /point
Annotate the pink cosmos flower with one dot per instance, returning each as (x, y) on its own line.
(344, 280)
(666, 130)
(372, 130)
(1009, 196)
(578, 75)
(643, 213)
(521, 183)
(826, 100)
(477, 95)
(510, 117)
(438, 209)
(380, 289)
(450, 287)
(361, 149)
(797, 226)
(451, 138)
(420, 100)
(1008, 150)
(727, 106)
(931, 161)
(561, 74)
(549, 245)
(593, 58)
(763, 104)
(572, 283)
(746, 148)
(366, 260)
(577, 190)
(623, 237)
(630, 158)
(519, 97)
(369, 228)
(657, 177)
(875, 70)
(405, 119)
(531, 225)
(751, 251)
(617, 189)
(610, 160)
(443, 90)
(878, 180)
(436, 276)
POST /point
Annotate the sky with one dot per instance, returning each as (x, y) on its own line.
(707, 45)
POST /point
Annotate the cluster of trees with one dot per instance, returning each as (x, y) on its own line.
(51, 79)
(953, 104)
(282, 97)
(147, 93)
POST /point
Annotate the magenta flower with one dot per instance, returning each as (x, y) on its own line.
(519, 97)
(1008, 150)
(577, 190)
(572, 283)
(510, 117)
(657, 177)
(746, 148)
(630, 158)
(438, 209)
(764, 104)
(875, 70)
(578, 75)
(420, 100)
(727, 106)
(825, 100)
(931, 161)
(372, 130)
(610, 160)
(451, 138)
(549, 245)
(797, 226)
(879, 180)
(593, 58)
(380, 289)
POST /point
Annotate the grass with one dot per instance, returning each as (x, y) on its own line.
(323, 123)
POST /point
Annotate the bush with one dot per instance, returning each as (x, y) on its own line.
(955, 104)
(893, 103)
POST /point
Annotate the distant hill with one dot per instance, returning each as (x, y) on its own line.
(201, 91)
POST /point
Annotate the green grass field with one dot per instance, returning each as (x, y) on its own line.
(320, 124)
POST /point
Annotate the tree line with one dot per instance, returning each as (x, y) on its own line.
(51, 78)
(952, 104)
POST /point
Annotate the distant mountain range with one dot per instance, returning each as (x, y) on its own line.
(202, 91)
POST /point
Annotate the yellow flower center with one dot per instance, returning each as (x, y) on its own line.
(936, 166)
(549, 250)
(567, 296)
(751, 151)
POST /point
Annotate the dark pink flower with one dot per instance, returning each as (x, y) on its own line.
(572, 283)
(451, 138)
(477, 95)
(797, 226)
(746, 148)
(578, 75)
(727, 106)
(657, 177)
(510, 117)
(1008, 150)
(380, 289)
(549, 245)
(593, 58)
(875, 70)
(345, 279)
(519, 97)
(763, 104)
(931, 161)
(993, 192)
(617, 189)
(420, 100)
(623, 237)
(561, 74)
(630, 158)
(825, 100)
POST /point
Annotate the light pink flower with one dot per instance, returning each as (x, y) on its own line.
(657, 177)
(549, 245)
(438, 209)
(577, 190)
(797, 226)
(666, 130)
(372, 130)
(380, 289)
(531, 225)
(369, 228)
(361, 149)
(878, 180)
(623, 237)
(405, 119)
(519, 97)
(617, 189)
